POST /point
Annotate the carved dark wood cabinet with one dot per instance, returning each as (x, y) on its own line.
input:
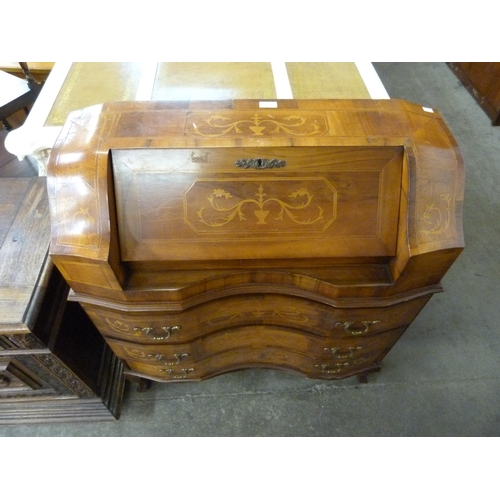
(206, 237)
(54, 365)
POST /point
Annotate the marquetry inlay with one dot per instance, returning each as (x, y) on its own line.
(255, 312)
(437, 218)
(307, 204)
(276, 123)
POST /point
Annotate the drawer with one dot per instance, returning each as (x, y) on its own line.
(257, 346)
(243, 358)
(254, 337)
(227, 361)
(255, 309)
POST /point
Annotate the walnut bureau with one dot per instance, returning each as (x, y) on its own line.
(302, 235)
(54, 365)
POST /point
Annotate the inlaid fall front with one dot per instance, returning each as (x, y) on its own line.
(193, 199)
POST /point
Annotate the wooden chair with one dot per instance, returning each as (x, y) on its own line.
(17, 94)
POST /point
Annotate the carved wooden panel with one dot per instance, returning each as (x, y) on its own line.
(16, 379)
(39, 375)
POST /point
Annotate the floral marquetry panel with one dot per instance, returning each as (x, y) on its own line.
(263, 123)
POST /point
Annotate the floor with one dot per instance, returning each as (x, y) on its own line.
(441, 379)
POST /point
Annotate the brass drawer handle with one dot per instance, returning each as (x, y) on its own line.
(178, 358)
(260, 163)
(149, 331)
(335, 350)
(170, 329)
(335, 369)
(145, 330)
(349, 328)
(184, 373)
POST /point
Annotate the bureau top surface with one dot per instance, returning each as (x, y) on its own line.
(24, 242)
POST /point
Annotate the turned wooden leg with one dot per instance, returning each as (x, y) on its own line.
(363, 377)
(144, 385)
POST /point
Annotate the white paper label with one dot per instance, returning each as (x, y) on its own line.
(268, 104)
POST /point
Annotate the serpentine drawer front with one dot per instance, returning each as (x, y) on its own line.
(271, 309)
(205, 237)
